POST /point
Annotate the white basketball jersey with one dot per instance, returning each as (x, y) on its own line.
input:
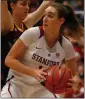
(38, 53)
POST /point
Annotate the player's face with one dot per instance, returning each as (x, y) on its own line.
(21, 8)
(51, 20)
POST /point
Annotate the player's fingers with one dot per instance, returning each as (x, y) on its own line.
(71, 80)
(74, 81)
(70, 84)
(42, 77)
(43, 73)
(68, 88)
(38, 78)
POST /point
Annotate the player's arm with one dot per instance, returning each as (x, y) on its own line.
(70, 59)
(72, 64)
(12, 61)
(6, 18)
(70, 55)
(15, 53)
(75, 82)
(34, 17)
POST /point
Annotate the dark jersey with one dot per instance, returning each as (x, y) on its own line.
(13, 35)
(7, 41)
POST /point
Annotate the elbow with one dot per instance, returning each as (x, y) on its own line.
(7, 61)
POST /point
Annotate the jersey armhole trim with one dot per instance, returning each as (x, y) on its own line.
(41, 31)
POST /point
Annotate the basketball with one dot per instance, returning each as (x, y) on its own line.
(57, 79)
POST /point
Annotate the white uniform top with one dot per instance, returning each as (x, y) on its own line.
(38, 54)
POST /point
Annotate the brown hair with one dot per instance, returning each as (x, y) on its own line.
(11, 1)
(75, 29)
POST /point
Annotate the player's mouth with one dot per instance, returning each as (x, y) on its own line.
(26, 12)
(45, 25)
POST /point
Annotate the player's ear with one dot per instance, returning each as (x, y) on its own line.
(62, 20)
(12, 5)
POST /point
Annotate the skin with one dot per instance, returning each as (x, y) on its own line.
(50, 22)
(20, 11)
(5, 27)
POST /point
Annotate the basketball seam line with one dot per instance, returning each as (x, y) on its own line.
(53, 80)
(60, 79)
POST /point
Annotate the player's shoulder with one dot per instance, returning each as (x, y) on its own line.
(33, 30)
(30, 35)
(66, 42)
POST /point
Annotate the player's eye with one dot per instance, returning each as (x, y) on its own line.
(50, 16)
(24, 3)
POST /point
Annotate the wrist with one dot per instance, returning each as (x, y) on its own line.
(69, 93)
(75, 74)
(76, 91)
(33, 72)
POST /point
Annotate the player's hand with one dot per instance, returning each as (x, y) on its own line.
(39, 74)
(75, 83)
(48, 2)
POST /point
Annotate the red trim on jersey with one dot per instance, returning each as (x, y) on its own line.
(41, 31)
(54, 95)
(9, 90)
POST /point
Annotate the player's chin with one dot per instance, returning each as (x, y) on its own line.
(45, 28)
(23, 18)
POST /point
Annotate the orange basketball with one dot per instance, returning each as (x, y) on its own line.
(57, 78)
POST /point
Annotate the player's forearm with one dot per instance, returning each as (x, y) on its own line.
(34, 17)
(15, 64)
(45, 4)
(72, 64)
(6, 18)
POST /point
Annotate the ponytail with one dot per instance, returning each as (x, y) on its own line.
(73, 25)
(9, 7)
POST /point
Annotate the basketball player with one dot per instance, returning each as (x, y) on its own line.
(40, 46)
(14, 24)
